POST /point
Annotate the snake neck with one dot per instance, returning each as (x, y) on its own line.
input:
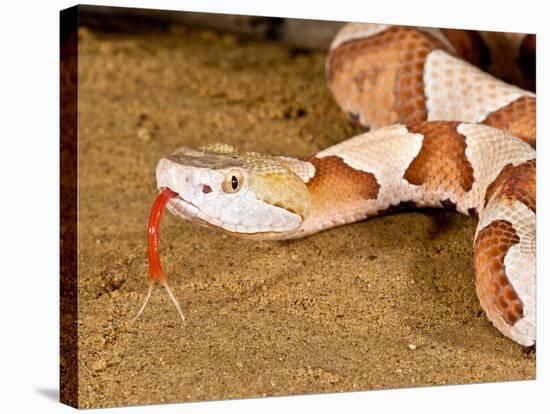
(338, 193)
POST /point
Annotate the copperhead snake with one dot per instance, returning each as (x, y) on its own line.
(441, 133)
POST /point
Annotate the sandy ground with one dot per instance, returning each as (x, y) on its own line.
(385, 303)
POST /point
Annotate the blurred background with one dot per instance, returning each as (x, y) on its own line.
(300, 33)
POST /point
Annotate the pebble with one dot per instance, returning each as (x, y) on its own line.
(99, 365)
(144, 134)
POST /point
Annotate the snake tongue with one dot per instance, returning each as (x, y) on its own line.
(155, 268)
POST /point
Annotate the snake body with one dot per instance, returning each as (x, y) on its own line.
(442, 134)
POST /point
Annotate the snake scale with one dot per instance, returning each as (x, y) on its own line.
(440, 133)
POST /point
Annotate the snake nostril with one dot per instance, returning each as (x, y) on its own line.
(206, 189)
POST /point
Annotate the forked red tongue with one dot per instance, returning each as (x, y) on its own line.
(155, 268)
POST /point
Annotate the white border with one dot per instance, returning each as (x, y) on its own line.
(29, 171)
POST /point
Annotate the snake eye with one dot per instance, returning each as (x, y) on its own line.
(233, 181)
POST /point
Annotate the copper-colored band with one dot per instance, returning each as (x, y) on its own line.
(495, 292)
(515, 183)
(518, 118)
(382, 76)
(441, 162)
(337, 184)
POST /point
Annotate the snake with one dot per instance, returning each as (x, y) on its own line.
(440, 132)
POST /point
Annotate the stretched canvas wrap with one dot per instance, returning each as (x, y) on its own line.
(265, 206)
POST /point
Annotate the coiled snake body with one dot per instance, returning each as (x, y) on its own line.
(442, 134)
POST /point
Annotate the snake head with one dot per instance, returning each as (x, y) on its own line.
(243, 193)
